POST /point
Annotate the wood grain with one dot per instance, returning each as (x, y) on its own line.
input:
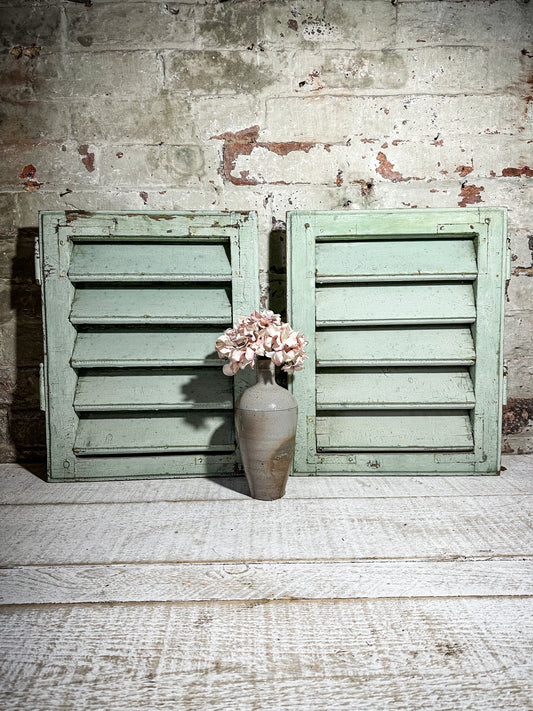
(20, 486)
(367, 654)
(125, 261)
(456, 577)
(395, 260)
(299, 530)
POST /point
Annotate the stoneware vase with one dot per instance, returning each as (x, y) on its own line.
(265, 418)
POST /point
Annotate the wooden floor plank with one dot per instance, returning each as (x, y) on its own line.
(271, 581)
(203, 531)
(20, 486)
(369, 654)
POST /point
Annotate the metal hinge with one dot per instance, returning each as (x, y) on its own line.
(42, 389)
(37, 260)
(505, 377)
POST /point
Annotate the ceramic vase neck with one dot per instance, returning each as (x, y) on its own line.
(266, 372)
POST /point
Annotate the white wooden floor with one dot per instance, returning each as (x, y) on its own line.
(349, 593)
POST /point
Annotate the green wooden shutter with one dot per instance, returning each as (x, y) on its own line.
(403, 310)
(132, 306)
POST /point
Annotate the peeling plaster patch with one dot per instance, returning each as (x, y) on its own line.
(365, 185)
(87, 158)
(85, 40)
(516, 415)
(315, 29)
(31, 51)
(470, 195)
(292, 25)
(385, 169)
(517, 172)
(243, 143)
(144, 197)
(28, 171)
(245, 135)
(464, 170)
(528, 271)
(338, 180)
(27, 174)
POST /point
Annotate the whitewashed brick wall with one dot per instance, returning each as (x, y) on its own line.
(263, 105)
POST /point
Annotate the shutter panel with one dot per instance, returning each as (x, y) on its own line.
(132, 305)
(403, 310)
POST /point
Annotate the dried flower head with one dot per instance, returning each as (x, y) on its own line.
(261, 335)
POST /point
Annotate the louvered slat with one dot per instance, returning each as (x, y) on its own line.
(396, 260)
(445, 345)
(383, 304)
(167, 262)
(153, 433)
(151, 305)
(148, 389)
(374, 430)
(392, 388)
(145, 347)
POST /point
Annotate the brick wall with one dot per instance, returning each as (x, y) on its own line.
(263, 105)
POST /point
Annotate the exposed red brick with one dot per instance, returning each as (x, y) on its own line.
(87, 158)
(517, 172)
(28, 171)
(243, 143)
(464, 170)
(516, 415)
(470, 195)
(385, 169)
(30, 186)
(246, 135)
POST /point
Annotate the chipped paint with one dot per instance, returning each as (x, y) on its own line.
(28, 171)
(243, 143)
(385, 169)
(464, 170)
(27, 174)
(470, 195)
(517, 172)
(87, 158)
(30, 52)
(517, 415)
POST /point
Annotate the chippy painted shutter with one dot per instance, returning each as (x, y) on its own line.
(133, 304)
(403, 310)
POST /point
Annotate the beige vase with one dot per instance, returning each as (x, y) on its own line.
(265, 418)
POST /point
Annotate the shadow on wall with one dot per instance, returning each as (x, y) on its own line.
(26, 421)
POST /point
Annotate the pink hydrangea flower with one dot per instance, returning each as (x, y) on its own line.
(261, 335)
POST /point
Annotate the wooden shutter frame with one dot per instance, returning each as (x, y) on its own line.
(59, 377)
(489, 226)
